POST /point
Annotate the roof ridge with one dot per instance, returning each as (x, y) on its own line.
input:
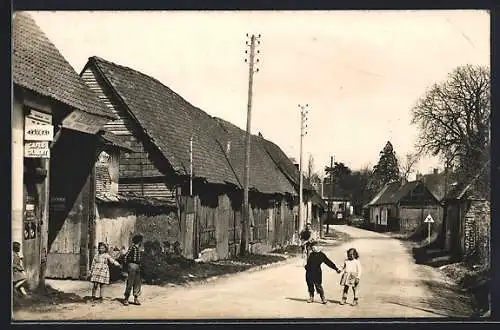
(135, 71)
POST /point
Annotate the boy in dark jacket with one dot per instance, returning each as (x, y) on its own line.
(314, 276)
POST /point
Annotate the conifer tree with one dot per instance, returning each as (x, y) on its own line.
(386, 170)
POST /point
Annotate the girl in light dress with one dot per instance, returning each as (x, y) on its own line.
(99, 273)
(351, 274)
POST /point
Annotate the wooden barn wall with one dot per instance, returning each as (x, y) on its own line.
(70, 187)
(147, 189)
(114, 225)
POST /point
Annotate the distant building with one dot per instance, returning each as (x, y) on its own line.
(403, 207)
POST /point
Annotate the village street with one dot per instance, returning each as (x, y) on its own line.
(392, 285)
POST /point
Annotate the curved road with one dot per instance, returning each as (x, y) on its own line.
(392, 286)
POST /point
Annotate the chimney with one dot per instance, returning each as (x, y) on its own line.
(436, 171)
(419, 176)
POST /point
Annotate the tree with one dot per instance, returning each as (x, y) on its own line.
(407, 165)
(386, 170)
(310, 166)
(340, 171)
(358, 187)
(453, 119)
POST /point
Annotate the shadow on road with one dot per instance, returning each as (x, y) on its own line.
(332, 301)
(414, 306)
(446, 300)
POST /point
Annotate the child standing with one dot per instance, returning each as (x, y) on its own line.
(99, 273)
(351, 275)
(133, 259)
(314, 275)
(18, 273)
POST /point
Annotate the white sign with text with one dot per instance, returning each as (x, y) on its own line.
(36, 149)
(38, 132)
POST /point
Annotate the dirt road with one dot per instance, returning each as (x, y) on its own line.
(392, 285)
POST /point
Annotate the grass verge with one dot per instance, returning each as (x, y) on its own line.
(159, 270)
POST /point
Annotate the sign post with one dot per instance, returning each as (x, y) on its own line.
(429, 220)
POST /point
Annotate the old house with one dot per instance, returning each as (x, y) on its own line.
(272, 195)
(312, 205)
(56, 121)
(403, 207)
(468, 220)
(190, 164)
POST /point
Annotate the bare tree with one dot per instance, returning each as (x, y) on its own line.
(407, 165)
(453, 119)
(310, 167)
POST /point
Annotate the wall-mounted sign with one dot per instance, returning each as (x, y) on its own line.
(36, 149)
(31, 121)
(30, 230)
(37, 132)
(84, 122)
(40, 116)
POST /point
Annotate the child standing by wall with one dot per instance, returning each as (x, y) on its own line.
(18, 273)
(99, 273)
(351, 275)
(314, 275)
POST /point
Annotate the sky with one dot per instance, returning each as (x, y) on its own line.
(360, 72)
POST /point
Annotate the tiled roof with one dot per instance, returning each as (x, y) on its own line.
(393, 192)
(38, 66)
(436, 184)
(116, 141)
(169, 120)
(265, 176)
(387, 195)
(133, 200)
(285, 164)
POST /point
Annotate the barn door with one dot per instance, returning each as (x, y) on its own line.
(31, 232)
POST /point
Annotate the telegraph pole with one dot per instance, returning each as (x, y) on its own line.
(330, 171)
(303, 126)
(246, 208)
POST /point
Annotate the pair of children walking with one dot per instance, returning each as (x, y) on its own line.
(351, 273)
(99, 274)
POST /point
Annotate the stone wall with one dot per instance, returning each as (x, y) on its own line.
(477, 232)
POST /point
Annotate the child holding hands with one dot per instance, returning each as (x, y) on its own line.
(99, 273)
(351, 273)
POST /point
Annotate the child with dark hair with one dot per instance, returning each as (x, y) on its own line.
(18, 272)
(133, 259)
(351, 275)
(99, 272)
(314, 275)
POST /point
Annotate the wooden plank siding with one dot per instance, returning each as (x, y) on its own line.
(133, 165)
